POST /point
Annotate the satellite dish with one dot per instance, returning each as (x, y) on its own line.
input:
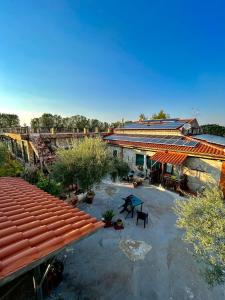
(187, 126)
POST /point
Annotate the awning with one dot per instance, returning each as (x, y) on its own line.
(169, 157)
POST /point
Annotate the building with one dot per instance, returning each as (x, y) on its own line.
(34, 227)
(170, 150)
(39, 148)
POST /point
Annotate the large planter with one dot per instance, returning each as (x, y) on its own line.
(90, 196)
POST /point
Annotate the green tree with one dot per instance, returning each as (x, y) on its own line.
(118, 168)
(47, 120)
(203, 220)
(116, 124)
(142, 117)
(160, 115)
(86, 163)
(35, 123)
(213, 129)
(9, 120)
(8, 166)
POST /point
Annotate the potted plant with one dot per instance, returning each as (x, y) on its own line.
(118, 225)
(90, 196)
(107, 216)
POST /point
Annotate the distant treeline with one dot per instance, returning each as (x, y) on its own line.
(213, 129)
(9, 120)
(48, 120)
(77, 122)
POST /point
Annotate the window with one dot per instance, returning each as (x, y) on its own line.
(139, 160)
(169, 168)
(152, 164)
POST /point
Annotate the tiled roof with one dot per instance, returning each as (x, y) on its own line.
(169, 157)
(34, 224)
(201, 149)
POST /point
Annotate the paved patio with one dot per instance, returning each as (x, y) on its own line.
(98, 268)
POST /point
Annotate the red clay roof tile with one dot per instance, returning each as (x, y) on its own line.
(34, 224)
(169, 157)
(201, 149)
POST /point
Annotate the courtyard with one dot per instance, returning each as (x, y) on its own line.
(159, 267)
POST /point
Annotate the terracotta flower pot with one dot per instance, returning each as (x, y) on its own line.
(108, 224)
(89, 197)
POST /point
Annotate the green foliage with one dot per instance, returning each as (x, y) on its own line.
(31, 174)
(108, 215)
(50, 186)
(35, 123)
(161, 115)
(9, 120)
(118, 168)
(142, 117)
(213, 129)
(86, 163)
(203, 219)
(65, 167)
(76, 122)
(8, 166)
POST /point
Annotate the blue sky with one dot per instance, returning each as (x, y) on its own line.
(113, 59)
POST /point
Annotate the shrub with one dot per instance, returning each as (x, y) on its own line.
(50, 186)
(203, 221)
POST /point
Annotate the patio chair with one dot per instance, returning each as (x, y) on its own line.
(142, 216)
(127, 206)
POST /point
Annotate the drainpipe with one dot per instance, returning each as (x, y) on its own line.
(145, 165)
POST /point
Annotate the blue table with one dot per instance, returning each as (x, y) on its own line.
(133, 202)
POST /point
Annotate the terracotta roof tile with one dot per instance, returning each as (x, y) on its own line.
(169, 157)
(201, 148)
(34, 224)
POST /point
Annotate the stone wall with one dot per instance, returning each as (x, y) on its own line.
(201, 172)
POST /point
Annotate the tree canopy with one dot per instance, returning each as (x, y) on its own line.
(48, 120)
(161, 115)
(213, 129)
(203, 220)
(86, 163)
(9, 120)
(142, 117)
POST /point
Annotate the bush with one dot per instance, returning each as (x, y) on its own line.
(203, 220)
(118, 168)
(31, 174)
(50, 186)
(9, 166)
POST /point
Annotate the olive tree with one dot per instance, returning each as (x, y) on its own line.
(118, 168)
(203, 220)
(86, 163)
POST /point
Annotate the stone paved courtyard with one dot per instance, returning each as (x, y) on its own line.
(98, 268)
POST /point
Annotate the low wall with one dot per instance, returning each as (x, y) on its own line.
(202, 172)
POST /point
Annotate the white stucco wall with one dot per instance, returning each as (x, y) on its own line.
(201, 172)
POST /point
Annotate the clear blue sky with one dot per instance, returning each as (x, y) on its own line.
(113, 59)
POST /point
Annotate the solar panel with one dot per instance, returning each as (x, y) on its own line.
(192, 144)
(164, 140)
(219, 140)
(163, 125)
